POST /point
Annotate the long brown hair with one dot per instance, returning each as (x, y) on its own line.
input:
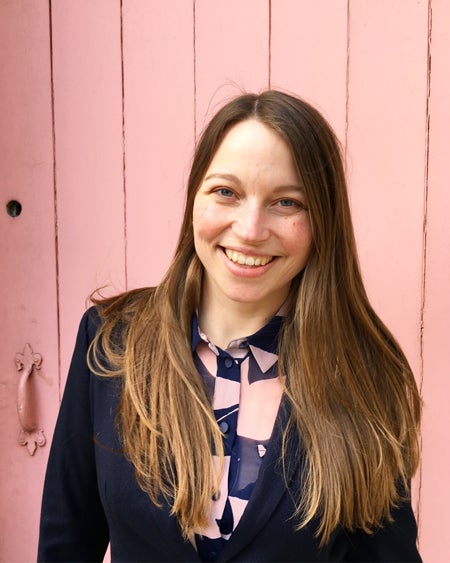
(353, 398)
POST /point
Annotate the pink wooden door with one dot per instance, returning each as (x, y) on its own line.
(100, 105)
(29, 304)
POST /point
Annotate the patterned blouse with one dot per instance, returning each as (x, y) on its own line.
(245, 391)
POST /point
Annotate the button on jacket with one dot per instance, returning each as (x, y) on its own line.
(91, 496)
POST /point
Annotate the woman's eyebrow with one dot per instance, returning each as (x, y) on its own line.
(289, 187)
(223, 176)
(233, 178)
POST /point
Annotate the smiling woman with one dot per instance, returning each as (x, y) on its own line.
(252, 407)
(252, 230)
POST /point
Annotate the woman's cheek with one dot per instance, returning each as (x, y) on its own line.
(297, 234)
(207, 219)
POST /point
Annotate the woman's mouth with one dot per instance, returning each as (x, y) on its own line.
(247, 260)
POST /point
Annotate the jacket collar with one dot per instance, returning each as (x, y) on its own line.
(269, 488)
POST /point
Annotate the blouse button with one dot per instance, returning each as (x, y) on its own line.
(224, 426)
(228, 362)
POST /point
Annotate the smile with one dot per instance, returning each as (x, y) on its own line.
(246, 260)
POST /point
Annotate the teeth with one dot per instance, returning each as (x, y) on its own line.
(247, 260)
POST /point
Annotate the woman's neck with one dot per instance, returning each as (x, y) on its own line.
(226, 321)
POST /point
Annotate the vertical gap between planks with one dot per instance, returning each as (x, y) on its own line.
(124, 175)
(270, 46)
(55, 195)
(347, 85)
(425, 208)
(194, 69)
(424, 233)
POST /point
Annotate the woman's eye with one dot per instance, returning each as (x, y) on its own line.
(288, 203)
(225, 192)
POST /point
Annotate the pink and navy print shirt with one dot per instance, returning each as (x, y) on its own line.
(245, 391)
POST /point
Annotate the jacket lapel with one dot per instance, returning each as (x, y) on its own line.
(269, 488)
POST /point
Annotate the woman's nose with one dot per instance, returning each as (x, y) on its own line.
(250, 224)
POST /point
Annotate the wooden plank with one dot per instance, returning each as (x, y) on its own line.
(309, 54)
(386, 148)
(232, 52)
(28, 304)
(159, 130)
(435, 491)
(89, 163)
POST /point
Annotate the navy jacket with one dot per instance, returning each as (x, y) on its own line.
(91, 496)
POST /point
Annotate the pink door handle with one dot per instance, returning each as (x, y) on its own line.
(30, 435)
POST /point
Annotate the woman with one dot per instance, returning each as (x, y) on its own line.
(252, 407)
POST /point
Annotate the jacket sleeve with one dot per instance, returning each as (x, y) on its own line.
(73, 526)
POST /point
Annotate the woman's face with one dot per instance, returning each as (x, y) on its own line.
(252, 230)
